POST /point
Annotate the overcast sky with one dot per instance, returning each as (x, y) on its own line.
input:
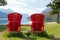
(27, 6)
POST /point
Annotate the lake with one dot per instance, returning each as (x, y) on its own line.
(4, 21)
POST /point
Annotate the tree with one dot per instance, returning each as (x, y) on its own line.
(55, 6)
(3, 2)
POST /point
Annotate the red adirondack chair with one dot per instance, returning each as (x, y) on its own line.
(37, 23)
(14, 22)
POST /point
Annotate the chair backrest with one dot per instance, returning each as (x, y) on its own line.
(14, 17)
(37, 18)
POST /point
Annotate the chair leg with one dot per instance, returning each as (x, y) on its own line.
(32, 30)
(42, 30)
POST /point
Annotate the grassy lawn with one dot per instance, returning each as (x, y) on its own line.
(52, 32)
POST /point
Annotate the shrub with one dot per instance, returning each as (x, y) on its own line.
(28, 34)
(13, 34)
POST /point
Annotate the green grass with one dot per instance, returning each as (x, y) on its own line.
(52, 31)
(2, 28)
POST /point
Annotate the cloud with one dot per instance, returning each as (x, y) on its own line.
(34, 10)
(27, 0)
(16, 3)
(22, 4)
(23, 7)
(4, 7)
(33, 1)
(24, 10)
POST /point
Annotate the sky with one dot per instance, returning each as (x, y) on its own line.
(26, 6)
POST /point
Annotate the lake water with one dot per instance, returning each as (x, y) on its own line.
(4, 21)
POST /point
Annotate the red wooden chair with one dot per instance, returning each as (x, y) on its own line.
(14, 22)
(37, 23)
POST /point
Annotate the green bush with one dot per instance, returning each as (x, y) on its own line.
(28, 34)
(13, 34)
(38, 33)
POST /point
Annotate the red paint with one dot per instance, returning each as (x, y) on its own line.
(37, 22)
(14, 22)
